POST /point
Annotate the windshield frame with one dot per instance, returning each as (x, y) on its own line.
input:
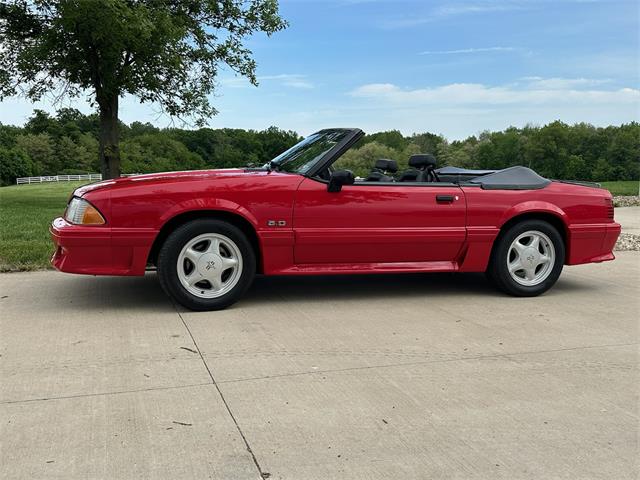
(330, 156)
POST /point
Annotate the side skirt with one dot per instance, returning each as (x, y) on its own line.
(358, 268)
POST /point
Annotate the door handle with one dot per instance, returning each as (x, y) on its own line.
(444, 198)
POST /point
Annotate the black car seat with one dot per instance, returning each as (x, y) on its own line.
(423, 169)
(381, 170)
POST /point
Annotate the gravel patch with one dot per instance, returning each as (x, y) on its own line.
(626, 201)
(627, 241)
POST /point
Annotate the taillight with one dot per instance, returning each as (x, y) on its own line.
(609, 202)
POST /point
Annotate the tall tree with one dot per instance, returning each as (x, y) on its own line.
(162, 51)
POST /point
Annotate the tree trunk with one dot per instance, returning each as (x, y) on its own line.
(109, 138)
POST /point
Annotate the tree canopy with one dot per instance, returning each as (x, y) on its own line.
(162, 51)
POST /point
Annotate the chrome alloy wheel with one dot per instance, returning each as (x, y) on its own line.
(530, 258)
(209, 265)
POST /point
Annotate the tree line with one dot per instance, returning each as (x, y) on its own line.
(556, 150)
(67, 143)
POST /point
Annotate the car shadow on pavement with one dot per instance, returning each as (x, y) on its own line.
(145, 293)
(100, 293)
(456, 286)
(368, 287)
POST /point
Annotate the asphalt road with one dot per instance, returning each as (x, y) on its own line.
(400, 377)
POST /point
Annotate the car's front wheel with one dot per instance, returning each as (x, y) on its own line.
(527, 259)
(206, 264)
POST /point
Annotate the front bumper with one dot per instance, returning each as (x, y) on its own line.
(98, 250)
(81, 249)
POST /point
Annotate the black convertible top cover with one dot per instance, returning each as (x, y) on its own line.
(512, 178)
(462, 171)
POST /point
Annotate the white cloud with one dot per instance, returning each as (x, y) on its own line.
(289, 80)
(557, 83)
(284, 79)
(455, 110)
(458, 110)
(451, 10)
(468, 50)
(470, 94)
(478, 7)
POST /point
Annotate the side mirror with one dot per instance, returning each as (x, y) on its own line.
(340, 178)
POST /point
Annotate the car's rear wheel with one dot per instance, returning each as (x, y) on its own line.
(206, 264)
(527, 258)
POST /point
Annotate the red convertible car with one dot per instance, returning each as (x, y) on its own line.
(209, 232)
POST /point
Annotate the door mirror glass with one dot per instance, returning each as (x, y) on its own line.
(340, 178)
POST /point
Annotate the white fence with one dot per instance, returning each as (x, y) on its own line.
(59, 178)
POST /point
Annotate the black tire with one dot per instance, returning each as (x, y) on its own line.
(168, 268)
(498, 271)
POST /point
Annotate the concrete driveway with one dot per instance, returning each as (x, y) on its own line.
(400, 377)
(629, 218)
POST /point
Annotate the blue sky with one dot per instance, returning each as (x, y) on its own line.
(454, 68)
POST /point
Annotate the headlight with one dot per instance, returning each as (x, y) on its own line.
(81, 212)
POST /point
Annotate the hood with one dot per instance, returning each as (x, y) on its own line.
(167, 177)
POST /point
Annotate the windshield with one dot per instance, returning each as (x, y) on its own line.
(303, 155)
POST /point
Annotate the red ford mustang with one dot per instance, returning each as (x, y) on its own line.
(209, 232)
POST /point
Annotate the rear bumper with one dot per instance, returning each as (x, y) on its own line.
(592, 242)
(94, 250)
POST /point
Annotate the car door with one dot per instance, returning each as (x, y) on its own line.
(378, 223)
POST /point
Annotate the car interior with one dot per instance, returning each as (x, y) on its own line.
(383, 171)
(328, 145)
(422, 169)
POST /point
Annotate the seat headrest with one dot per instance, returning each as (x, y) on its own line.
(387, 165)
(422, 160)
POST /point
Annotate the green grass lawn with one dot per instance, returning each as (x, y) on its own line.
(25, 214)
(622, 187)
(27, 210)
